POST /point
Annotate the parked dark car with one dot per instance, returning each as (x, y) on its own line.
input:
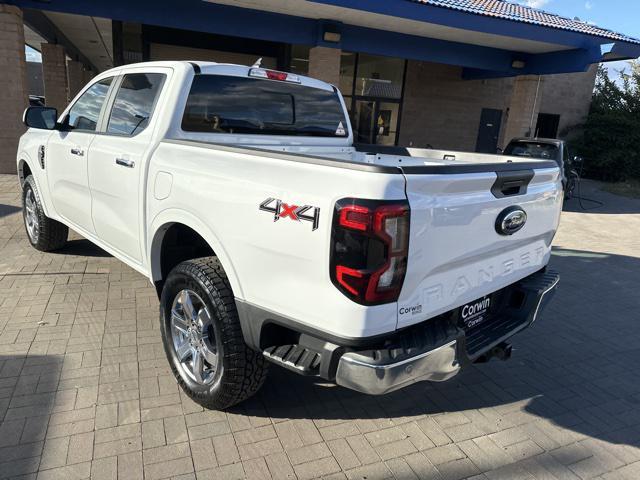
(549, 149)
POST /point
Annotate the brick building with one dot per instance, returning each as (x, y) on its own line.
(453, 74)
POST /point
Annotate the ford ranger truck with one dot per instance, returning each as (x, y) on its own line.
(271, 238)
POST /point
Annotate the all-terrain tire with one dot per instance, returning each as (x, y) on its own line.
(241, 371)
(48, 234)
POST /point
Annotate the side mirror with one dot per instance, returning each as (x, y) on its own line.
(578, 159)
(499, 151)
(44, 118)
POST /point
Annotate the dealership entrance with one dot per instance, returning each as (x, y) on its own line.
(372, 87)
(412, 73)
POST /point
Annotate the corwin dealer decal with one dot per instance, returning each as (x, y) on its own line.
(473, 313)
(413, 310)
(306, 213)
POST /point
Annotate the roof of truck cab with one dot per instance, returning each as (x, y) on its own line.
(201, 67)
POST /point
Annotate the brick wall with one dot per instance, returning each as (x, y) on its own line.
(324, 64)
(443, 110)
(75, 77)
(87, 75)
(569, 96)
(54, 72)
(524, 105)
(14, 97)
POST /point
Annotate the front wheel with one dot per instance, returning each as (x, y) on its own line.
(203, 339)
(44, 233)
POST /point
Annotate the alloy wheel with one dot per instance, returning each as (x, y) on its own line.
(193, 337)
(31, 216)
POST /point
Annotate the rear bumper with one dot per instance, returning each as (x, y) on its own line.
(436, 365)
(439, 348)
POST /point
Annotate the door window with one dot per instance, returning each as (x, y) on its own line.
(85, 112)
(134, 103)
(387, 123)
(363, 121)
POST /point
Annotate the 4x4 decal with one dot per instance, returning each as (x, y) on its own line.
(294, 212)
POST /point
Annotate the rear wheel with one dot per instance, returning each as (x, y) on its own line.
(203, 339)
(44, 233)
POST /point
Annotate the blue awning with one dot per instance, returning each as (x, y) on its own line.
(488, 38)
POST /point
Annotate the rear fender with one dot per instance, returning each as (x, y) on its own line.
(159, 226)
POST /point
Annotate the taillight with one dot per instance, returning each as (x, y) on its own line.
(369, 249)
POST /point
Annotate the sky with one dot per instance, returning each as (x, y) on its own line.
(32, 55)
(619, 15)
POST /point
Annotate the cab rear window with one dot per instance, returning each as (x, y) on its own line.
(545, 151)
(226, 104)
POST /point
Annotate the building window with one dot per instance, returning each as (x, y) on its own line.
(379, 77)
(299, 59)
(372, 86)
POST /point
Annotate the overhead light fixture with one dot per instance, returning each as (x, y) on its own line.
(518, 64)
(332, 37)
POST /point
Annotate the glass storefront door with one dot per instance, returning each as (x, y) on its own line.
(375, 121)
(372, 86)
(362, 121)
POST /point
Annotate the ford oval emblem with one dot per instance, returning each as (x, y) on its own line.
(511, 220)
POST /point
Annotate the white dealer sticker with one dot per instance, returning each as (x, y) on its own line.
(340, 130)
(474, 313)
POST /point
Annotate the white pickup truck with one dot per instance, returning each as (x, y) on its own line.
(270, 238)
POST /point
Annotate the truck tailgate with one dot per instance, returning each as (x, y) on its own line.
(457, 252)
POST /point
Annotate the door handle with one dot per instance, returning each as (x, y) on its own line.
(125, 163)
(77, 151)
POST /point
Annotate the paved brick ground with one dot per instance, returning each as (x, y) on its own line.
(85, 389)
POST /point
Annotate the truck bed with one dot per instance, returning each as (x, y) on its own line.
(389, 159)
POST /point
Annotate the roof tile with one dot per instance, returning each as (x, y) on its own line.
(521, 13)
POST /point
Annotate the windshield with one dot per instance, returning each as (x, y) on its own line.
(546, 151)
(226, 104)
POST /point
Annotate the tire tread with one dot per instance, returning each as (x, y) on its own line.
(246, 370)
(53, 234)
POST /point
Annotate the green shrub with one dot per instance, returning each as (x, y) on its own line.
(610, 138)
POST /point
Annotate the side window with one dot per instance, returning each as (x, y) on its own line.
(85, 112)
(134, 103)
